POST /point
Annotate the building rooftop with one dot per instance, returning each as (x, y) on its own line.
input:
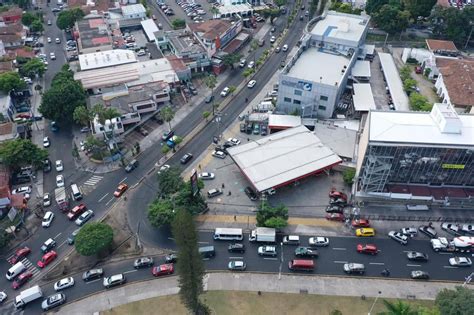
(107, 58)
(109, 76)
(394, 83)
(361, 68)
(210, 29)
(340, 140)
(283, 121)
(340, 26)
(149, 27)
(155, 70)
(363, 98)
(436, 44)
(133, 9)
(183, 42)
(441, 127)
(458, 77)
(235, 8)
(325, 68)
(93, 32)
(282, 157)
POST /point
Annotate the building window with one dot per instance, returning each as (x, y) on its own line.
(287, 100)
(323, 98)
(297, 102)
(298, 92)
(321, 107)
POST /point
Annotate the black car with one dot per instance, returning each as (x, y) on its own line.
(251, 193)
(131, 166)
(47, 166)
(209, 99)
(243, 127)
(419, 274)
(337, 201)
(249, 129)
(186, 158)
(236, 248)
(48, 245)
(167, 135)
(417, 256)
(92, 274)
(171, 258)
(334, 209)
(428, 230)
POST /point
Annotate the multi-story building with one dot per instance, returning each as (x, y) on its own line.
(93, 34)
(314, 79)
(416, 152)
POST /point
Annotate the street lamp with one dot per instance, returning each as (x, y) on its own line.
(373, 304)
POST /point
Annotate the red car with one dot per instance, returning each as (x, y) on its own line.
(47, 259)
(76, 211)
(335, 217)
(120, 190)
(21, 280)
(367, 249)
(19, 255)
(360, 223)
(337, 195)
(163, 270)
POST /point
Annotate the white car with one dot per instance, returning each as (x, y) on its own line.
(399, 237)
(225, 91)
(49, 40)
(234, 141)
(205, 176)
(163, 168)
(49, 22)
(141, 52)
(251, 84)
(52, 56)
(22, 190)
(46, 200)
(47, 219)
(285, 47)
(59, 166)
(58, 41)
(410, 231)
(3, 296)
(64, 284)
(272, 39)
(242, 63)
(219, 154)
(318, 241)
(251, 65)
(460, 261)
(46, 142)
(59, 181)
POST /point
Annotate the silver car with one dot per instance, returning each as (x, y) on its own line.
(86, 216)
(53, 301)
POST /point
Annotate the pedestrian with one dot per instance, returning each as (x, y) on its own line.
(199, 166)
(230, 193)
(235, 218)
(223, 186)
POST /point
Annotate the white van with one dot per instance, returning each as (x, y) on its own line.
(75, 192)
(15, 270)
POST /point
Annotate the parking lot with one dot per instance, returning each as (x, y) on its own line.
(179, 13)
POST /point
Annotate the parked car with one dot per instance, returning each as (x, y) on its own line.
(206, 176)
(46, 142)
(214, 192)
(318, 241)
(47, 259)
(291, 240)
(22, 190)
(251, 193)
(451, 228)
(209, 99)
(428, 230)
(20, 253)
(410, 231)
(143, 262)
(167, 135)
(46, 200)
(398, 237)
(359, 223)
(365, 232)
(59, 181)
(92, 274)
(237, 265)
(86, 216)
(114, 280)
(251, 84)
(306, 252)
(352, 268)
(468, 229)
(22, 279)
(59, 166)
(72, 237)
(460, 262)
(334, 209)
(267, 250)
(225, 91)
(48, 245)
(47, 219)
(419, 275)
(171, 258)
(219, 154)
(335, 217)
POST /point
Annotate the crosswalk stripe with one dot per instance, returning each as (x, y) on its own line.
(93, 180)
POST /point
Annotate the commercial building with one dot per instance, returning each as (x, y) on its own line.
(93, 34)
(417, 154)
(315, 78)
(134, 11)
(283, 158)
(394, 82)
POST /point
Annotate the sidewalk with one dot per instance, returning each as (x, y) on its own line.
(321, 285)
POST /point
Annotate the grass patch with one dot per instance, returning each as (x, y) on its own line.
(242, 303)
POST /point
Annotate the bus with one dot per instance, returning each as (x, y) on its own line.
(226, 234)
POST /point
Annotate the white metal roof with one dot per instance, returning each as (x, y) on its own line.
(341, 140)
(417, 128)
(282, 157)
(369, 49)
(400, 99)
(324, 68)
(361, 68)
(133, 9)
(283, 121)
(149, 26)
(107, 58)
(341, 26)
(363, 97)
(236, 8)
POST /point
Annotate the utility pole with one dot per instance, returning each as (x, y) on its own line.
(470, 33)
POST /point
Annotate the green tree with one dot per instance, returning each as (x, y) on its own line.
(390, 19)
(408, 83)
(82, 115)
(21, 152)
(248, 72)
(167, 114)
(266, 212)
(336, 312)
(232, 89)
(161, 212)
(178, 23)
(405, 73)
(185, 199)
(11, 81)
(93, 238)
(170, 181)
(67, 18)
(206, 115)
(450, 23)
(94, 144)
(27, 18)
(37, 26)
(419, 102)
(190, 267)
(398, 308)
(455, 302)
(104, 113)
(214, 11)
(211, 82)
(231, 59)
(4, 239)
(59, 102)
(280, 3)
(276, 222)
(271, 13)
(374, 6)
(32, 68)
(419, 8)
(348, 176)
(22, 3)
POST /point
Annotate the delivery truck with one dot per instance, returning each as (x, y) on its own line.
(263, 234)
(28, 296)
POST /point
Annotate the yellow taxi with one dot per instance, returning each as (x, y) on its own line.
(365, 232)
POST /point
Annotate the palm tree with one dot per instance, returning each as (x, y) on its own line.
(211, 82)
(167, 114)
(214, 11)
(398, 308)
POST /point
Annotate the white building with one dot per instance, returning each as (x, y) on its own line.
(315, 77)
(134, 11)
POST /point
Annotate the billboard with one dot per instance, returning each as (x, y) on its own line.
(194, 183)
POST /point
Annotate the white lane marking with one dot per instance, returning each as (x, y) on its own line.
(268, 258)
(203, 242)
(107, 203)
(372, 263)
(236, 257)
(93, 180)
(172, 239)
(445, 253)
(130, 271)
(450, 267)
(103, 197)
(122, 180)
(89, 282)
(57, 235)
(339, 248)
(340, 262)
(62, 244)
(410, 265)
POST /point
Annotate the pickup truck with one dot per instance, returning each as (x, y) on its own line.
(459, 244)
(305, 252)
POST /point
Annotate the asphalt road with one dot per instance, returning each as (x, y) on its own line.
(330, 262)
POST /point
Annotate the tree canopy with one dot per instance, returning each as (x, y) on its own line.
(161, 212)
(455, 302)
(419, 8)
(82, 115)
(60, 101)
(104, 113)
(170, 181)
(28, 18)
(231, 59)
(167, 114)
(67, 18)
(21, 152)
(32, 68)
(178, 23)
(391, 19)
(452, 24)
(268, 216)
(93, 238)
(11, 81)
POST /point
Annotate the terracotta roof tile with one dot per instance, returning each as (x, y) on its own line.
(458, 76)
(435, 44)
(210, 29)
